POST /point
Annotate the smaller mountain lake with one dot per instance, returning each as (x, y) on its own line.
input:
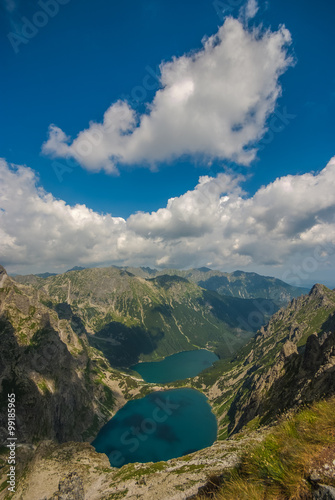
(160, 426)
(176, 367)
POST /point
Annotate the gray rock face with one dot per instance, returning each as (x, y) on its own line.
(314, 477)
(324, 493)
(289, 348)
(70, 488)
(3, 276)
(313, 354)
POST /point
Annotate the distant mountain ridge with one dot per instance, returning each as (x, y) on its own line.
(132, 318)
(245, 285)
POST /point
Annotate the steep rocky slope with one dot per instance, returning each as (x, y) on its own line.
(295, 461)
(289, 362)
(131, 318)
(64, 388)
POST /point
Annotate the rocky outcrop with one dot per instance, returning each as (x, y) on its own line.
(70, 488)
(294, 378)
(324, 492)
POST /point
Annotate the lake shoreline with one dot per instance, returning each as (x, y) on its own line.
(178, 366)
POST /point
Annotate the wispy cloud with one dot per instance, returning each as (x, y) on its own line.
(249, 10)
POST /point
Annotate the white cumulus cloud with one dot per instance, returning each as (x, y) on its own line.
(213, 103)
(215, 224)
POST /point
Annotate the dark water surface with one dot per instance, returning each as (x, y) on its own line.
(163, 425)
(176, 367)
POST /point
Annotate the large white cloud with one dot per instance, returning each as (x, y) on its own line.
(216, 224)
(38, 230)
(213, 103)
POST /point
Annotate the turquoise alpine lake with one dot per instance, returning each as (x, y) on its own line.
(160, 426)
(176, 367)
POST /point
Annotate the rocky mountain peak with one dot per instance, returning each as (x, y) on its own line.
(317, 290)
(2, 270)
(3, 276)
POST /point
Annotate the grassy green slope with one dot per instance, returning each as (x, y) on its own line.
(280, 467)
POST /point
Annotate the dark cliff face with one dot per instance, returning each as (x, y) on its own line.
(50, 395)
(307, 376)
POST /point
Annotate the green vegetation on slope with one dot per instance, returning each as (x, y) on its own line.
(279, 467)
(130, 318)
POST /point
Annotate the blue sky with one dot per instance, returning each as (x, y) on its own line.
(90, 54)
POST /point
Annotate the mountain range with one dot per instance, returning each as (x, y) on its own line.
(67, 341)
(245, 285)
(140, 314)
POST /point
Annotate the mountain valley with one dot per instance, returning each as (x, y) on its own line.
(67, 342)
